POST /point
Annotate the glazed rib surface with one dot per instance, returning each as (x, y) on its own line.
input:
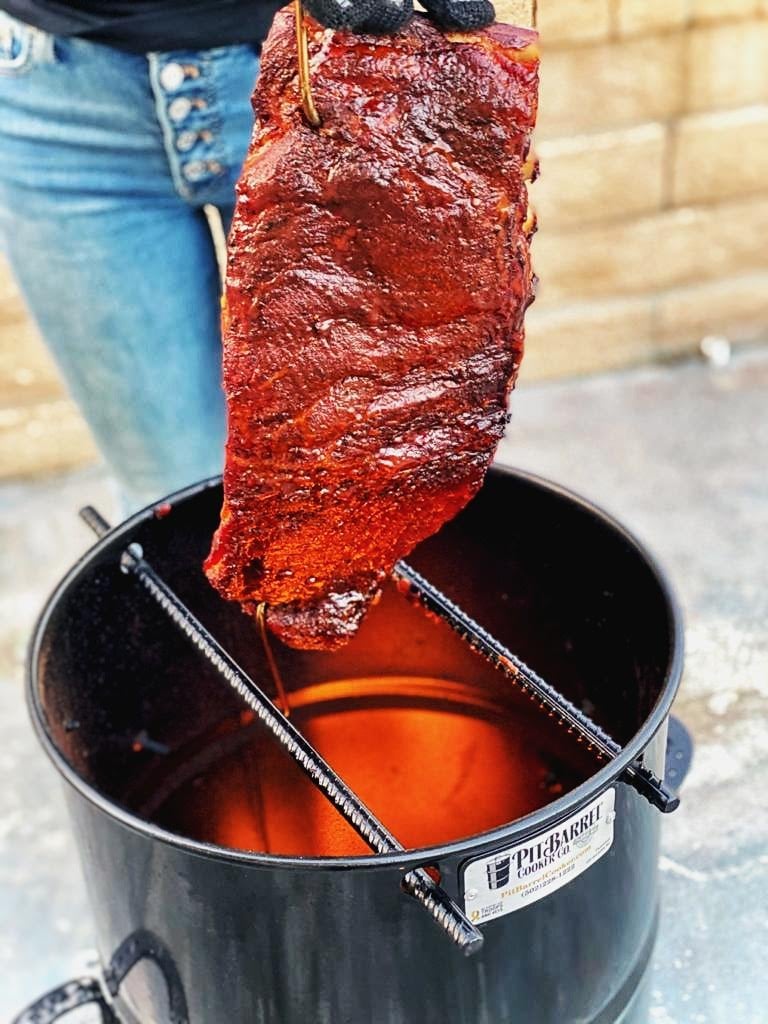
(377, 278)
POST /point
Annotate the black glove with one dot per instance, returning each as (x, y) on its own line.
(382, 17)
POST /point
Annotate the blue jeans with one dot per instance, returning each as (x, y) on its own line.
(106, 162)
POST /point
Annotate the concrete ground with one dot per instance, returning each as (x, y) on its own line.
(679, 453)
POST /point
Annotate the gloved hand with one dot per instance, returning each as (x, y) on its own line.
(383, 17)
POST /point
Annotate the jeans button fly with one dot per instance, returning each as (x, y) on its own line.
(179, 108)
(172, 76)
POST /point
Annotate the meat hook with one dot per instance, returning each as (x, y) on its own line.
(305, 80)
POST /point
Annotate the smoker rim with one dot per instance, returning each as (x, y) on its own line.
(478, 844)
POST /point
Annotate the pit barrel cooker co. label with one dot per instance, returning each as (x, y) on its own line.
(510, 879)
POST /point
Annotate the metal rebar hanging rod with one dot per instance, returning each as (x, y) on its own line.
(575, 720)
(418, 883)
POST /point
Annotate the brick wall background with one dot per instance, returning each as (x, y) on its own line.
(653, 205)
(653, 199)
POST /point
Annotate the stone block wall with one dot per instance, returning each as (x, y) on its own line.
(653, 196)
(652, 205)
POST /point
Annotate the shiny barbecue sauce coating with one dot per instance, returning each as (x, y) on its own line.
(377, 279)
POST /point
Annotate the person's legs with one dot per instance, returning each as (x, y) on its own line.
(128, 304)
(100, 196)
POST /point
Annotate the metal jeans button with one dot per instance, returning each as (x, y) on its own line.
(195, 170)
(186, 140)
(172, 76)
(179, 108)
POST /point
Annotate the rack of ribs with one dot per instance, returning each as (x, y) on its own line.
(377, 279)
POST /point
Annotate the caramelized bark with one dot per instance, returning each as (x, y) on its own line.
(377, 279)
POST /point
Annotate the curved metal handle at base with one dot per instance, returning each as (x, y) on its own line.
(62, 1000)
(141, 944)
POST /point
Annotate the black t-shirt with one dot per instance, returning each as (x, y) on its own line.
(144, 25)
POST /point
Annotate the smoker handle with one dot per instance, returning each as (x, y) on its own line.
(141, 944)
(62, 1000)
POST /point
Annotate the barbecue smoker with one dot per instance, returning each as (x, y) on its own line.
(529, 850)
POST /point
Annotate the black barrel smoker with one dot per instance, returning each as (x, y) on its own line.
(192, 926)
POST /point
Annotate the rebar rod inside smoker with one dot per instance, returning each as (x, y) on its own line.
(481, 641)
(417, 883)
